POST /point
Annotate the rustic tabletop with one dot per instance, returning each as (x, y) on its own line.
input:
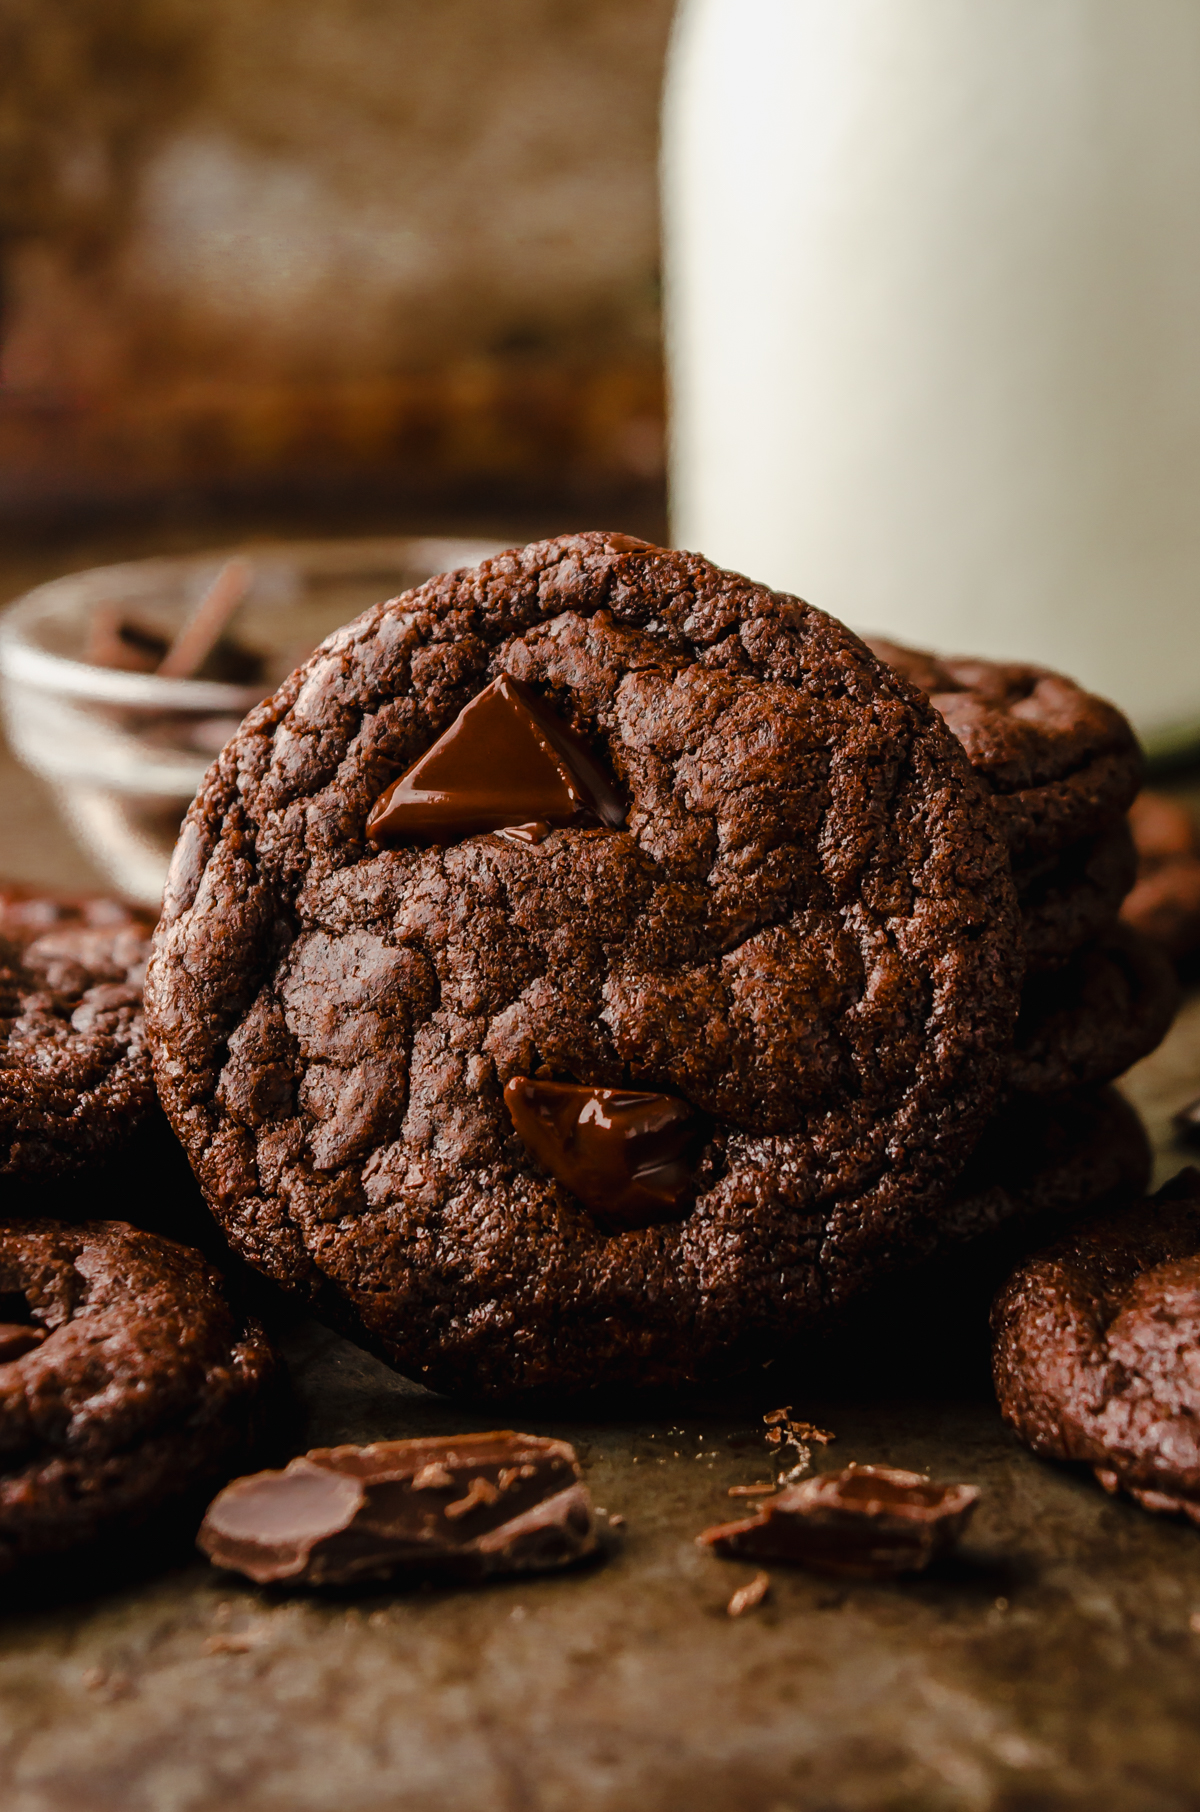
(1055, 1663)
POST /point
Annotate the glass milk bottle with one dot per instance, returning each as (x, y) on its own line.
(933, 304)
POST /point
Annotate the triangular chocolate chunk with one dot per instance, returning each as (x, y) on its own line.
(623, 1153)
(506, 760)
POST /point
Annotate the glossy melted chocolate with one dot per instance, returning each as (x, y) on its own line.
(507, 762)
(624, 1154)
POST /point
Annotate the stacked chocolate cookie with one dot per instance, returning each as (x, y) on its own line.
(130, 1379)
(593, 967)
(1062, 768)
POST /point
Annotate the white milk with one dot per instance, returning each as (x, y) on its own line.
(933, 285)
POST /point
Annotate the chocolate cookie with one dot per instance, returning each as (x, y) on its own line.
(1094, 1017)
(75, 1078)
(1069, 900)
(569, 1101)
(1165, 904)
(1040, 1167)
(30, 911)
(125, 1381)
(1095, 1349)
(1061, 763)
(1042, 1162)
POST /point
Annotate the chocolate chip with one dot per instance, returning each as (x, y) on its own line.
(465, 1505)
(873, 1521)
(507, 762)
(624, 1154)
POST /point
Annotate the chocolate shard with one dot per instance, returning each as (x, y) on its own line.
(625, 1155)
(870, 1521)
(463, 1505)
(506, 762)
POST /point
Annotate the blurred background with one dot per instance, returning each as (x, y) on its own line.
(327, 265)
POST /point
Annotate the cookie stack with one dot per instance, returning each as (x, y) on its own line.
(1062, 768)
(592, 967)
(128, 1381)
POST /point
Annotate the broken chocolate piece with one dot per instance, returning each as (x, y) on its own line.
(463, 1505)
(624, 1154)
(506, 762)
(869, 1521)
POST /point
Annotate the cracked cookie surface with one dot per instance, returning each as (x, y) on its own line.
(126, 1382)
(806, 930)
(1095, 1344)
(75, 1077)
(1060, 763)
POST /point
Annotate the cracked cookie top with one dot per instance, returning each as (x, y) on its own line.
(75, 1074)
(1060, 763)
(1095, 1343)
(804, 930)
(126, 1380)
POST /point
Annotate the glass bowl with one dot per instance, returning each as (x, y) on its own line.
(124, 752)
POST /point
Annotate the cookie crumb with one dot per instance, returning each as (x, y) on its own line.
(751, 1490)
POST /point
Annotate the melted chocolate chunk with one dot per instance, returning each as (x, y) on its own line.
(870, 1521)
(624, 1154)
(506, 762)
(466, 1505)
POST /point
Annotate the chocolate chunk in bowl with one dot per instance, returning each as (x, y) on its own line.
(872, 1522)
(462, 1505)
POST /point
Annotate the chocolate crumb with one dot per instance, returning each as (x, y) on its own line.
(748, 1596)
(435, 1477)
(479, 1491)
(870, 1521)
(341, 1514)
(233, 1645)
